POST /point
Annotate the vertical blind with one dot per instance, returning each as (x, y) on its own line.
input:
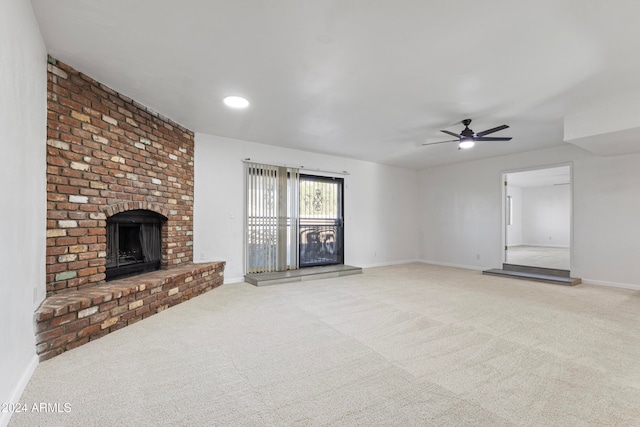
(272, 206)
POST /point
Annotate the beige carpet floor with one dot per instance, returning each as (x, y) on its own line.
(407, 345)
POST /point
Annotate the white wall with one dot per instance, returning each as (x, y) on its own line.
(546, 216)
(23, 98)
(514, 231)
(379, 202)
(461, 212)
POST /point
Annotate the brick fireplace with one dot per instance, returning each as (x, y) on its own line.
(107, 154)
(107, 157)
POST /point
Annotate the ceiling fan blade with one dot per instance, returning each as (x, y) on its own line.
(451, 133)
(492, 130)
(441, 142)
(491, 138)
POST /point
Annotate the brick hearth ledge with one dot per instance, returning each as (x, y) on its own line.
(71, 318)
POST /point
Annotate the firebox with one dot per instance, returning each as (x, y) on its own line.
(134, 243)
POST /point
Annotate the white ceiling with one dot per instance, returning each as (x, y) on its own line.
(371, 80)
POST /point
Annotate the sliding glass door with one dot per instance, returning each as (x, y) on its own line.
(321, 221)
(292, 220)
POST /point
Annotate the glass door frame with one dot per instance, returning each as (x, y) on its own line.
(321, 243)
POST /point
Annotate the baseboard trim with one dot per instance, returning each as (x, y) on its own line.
(449, 264)
(542, 246)
(611, 284)
(233, 280)
(386, 264)
(5, 417)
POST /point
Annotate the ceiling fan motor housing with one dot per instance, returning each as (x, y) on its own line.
(467, 133)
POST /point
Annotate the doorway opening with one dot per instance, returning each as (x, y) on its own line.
(537, 217)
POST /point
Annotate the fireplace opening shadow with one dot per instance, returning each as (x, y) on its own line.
(134, 243)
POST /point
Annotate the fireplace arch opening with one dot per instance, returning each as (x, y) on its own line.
(134, 243)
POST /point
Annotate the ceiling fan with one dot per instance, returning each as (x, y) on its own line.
(468, 138)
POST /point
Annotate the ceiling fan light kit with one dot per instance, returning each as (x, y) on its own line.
(466, 143)
(468, 138)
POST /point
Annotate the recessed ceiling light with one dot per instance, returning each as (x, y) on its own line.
(236, 102)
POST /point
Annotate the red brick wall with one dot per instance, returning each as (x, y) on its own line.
(106, 154)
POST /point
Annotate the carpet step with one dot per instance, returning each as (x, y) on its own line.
(535, 276)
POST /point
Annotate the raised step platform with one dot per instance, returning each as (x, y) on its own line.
(71, 318)
(303, 274)
(538, 274)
